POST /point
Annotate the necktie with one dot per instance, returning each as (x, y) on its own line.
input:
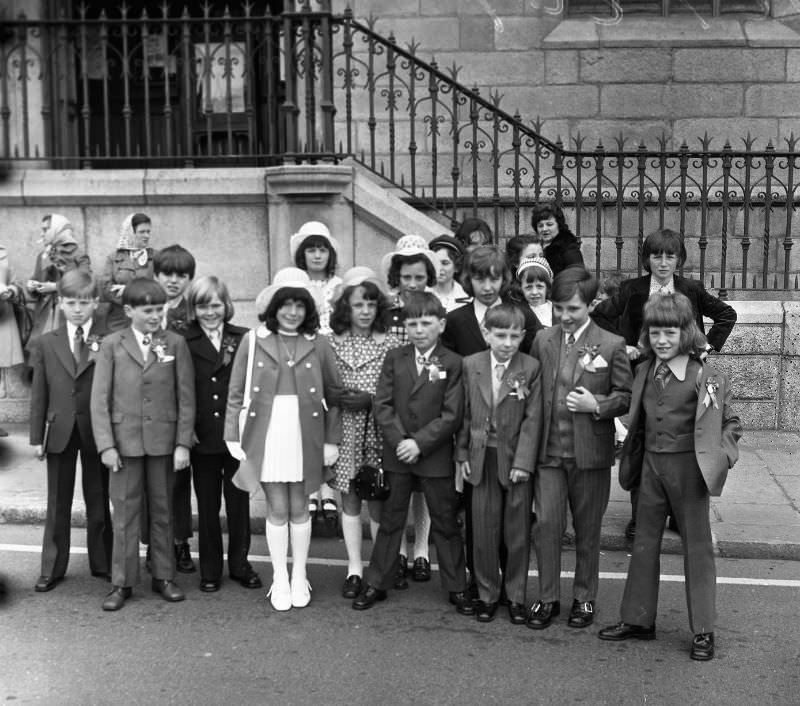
(77, 345)
(498, 372)
(214, 337)
(662, 373)
(146, 341)
(570, 343)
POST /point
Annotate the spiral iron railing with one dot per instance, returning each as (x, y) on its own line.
(307, 85)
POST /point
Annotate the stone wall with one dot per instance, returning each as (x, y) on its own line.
(645, 76)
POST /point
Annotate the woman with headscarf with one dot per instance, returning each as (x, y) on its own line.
(133, 258)
(62, 254)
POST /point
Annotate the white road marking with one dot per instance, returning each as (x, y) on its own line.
(608, 575)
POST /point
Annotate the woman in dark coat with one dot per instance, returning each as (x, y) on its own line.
(561, 247)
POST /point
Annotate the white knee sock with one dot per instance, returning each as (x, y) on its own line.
(351, 529)
(422, 525)
(301, 541)
(278, 545)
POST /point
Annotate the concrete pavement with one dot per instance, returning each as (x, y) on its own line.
(757, 516)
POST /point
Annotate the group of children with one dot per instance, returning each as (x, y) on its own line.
(484, 403)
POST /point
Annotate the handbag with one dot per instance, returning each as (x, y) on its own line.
(248, 381)
(370, 482)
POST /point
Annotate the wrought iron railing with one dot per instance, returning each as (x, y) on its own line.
(308, 85)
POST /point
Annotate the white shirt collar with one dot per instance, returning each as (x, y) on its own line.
(140, 336)
(496, 362)
(677, 366)
(579, 332)
(71, 328)
(668, 288)
(426, 354)
(481, 308)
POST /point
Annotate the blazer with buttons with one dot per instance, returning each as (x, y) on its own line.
(212, 372)
(611, 386)
(518, 416)
(411, 406)
(143, 409)
(319, 388)
(60, 392)
(716, 430)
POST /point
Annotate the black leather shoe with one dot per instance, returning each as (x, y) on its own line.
(485, 612)
(169, 590)
(581, 615)
(368, 598)
(630, 529)
(400, 582)
(47, 583)
(463, 603)
(542, 614)
(625, 631)
(249, 579)
(421, 570)
(209, 585)
(116, 599)
(517, 613)
(183, 559)
(351, 586)
(703, 646)
(102, 575)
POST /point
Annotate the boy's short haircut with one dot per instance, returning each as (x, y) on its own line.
(672, 310)
(174, 259)
(574, 280)
(419, 304)
(77, 284)
(393, 275)
(143, 291)
(660, 241)
(485, 261)
(202, 290)
(504, 316)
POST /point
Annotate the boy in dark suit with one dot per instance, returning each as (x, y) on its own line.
(174, 268)
(418, 406)
(496, 451)
(143, 408)
(60, 428)
(586, 382)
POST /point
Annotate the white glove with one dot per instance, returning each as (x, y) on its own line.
(330, 454)
(235, 449)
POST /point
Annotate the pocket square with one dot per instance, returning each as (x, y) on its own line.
(599, 362)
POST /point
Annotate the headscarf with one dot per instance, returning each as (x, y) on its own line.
(127, 240)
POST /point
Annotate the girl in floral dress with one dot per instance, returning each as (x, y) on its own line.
(360, 343)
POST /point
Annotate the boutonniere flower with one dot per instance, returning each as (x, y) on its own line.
(93, 342)
(159, 347)
(711, 393)
(433, 366)
(587, 355)
(228, 348)
(518, 387)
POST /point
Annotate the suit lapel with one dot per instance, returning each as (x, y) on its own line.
(411, 366)
(473, 327)
(202, 346)
(63, 350)
(130, 344)
(513, 368)
(484, 371)
(269, 344)
(702, 392)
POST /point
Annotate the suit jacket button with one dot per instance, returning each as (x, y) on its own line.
(213, 379)
(260, 364)
(308, 365)
(216, 414)
(252, 414)
(312, 390)
(315, 414)
(214, 397)
(256, 389)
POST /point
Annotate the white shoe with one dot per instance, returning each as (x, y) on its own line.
(301, 592)
(280, 595)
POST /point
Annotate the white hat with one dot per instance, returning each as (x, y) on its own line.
(288, 277)
(311, 228)
(409, 245)
(540, 262)
(355, 276)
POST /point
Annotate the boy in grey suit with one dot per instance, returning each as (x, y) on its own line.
(143, 409)
(586, 382)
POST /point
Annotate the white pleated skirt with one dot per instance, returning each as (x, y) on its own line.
(283, 446)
